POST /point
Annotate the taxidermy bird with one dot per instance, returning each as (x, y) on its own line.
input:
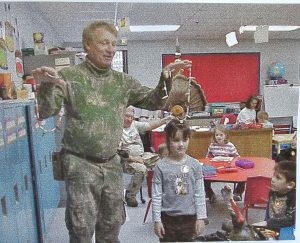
(237, 228)
(186, 94)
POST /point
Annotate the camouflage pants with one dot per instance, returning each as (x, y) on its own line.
(138, 171)
(94, 200)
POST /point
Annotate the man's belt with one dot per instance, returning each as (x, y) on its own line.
(93, 159)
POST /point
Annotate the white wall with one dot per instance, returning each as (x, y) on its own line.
(144, 58)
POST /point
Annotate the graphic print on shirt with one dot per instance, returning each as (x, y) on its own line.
(180, 181)
(278, 207)
(181, 187)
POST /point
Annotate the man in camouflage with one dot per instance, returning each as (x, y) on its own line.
(95, 98)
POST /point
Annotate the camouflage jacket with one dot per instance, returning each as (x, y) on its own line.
(95, 101)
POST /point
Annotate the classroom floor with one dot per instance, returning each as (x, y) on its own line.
(134, 230)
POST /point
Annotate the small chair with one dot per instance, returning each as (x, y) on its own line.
(287, 233)
(149, 185)
(256, 193)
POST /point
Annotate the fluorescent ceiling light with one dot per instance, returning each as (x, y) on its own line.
(282, 28)
(271, 28)
(144, 28)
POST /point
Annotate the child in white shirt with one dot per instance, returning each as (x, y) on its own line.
(263, 118)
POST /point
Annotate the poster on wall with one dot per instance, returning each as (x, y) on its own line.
(39, 44)
(3, 55)
(18, 53)
(9, 36)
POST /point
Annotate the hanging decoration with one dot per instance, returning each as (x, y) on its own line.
(18, 53)
(39, 44)
(3, 51)
(124, 24)
(9, 32)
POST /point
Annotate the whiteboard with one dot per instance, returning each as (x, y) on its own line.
(281, 100)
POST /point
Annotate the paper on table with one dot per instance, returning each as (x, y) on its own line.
(221, 158)
(200, 129)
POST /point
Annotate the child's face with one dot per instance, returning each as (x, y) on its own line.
(260, 120)
(178, 145)
(253, 103)
(279, 183)
(220, 136)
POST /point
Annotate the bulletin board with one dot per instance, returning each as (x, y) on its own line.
(224, 77)
(281, 100)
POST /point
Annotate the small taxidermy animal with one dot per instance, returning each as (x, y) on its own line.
(178, 111)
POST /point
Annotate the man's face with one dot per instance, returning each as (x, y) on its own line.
(128, 119)
(102, 48)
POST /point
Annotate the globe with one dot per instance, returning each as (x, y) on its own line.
(276, 70)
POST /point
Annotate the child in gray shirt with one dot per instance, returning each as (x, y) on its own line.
(178, 196)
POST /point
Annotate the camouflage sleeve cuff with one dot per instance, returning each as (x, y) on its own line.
(46, 88)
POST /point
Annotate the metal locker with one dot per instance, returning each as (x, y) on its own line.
(49, 187)
(8, 210)
(27, 188)
(34, 136)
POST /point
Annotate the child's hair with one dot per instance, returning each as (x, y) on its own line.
(161, 149)
(287, 168)
(248, 102)
(263, 115)
(287, 154)
(173, 127)
(222, 129)
(242, 105)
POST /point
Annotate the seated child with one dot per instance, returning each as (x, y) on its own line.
(289, 153)
(220, 146)
(281, 210)
(262, 117)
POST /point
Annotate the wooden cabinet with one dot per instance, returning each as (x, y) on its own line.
(250, 142)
